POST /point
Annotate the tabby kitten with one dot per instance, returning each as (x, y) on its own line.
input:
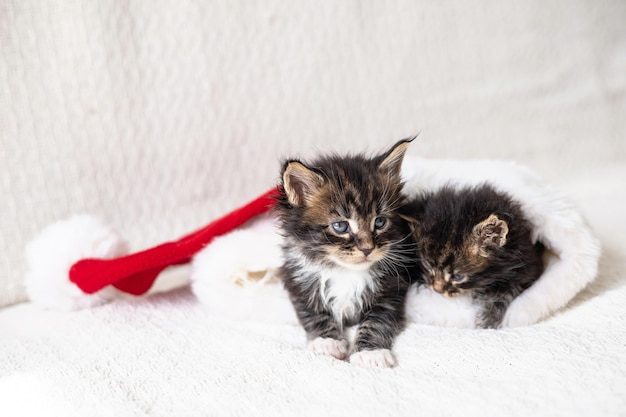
(475, 240)
(347, 253)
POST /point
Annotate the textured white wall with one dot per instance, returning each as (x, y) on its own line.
(159, 116)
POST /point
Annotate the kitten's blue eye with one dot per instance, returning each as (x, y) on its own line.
(380, 222)
(340, 227)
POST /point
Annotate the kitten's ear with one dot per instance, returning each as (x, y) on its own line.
(300, 183)
(490, 233)
(412, 222)
(409, 212)
(391, 161)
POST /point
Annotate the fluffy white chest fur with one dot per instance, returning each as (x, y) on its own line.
(342, 291)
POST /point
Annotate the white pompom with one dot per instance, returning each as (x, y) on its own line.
(51, 254)
(234, 277)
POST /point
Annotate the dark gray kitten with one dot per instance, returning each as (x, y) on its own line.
(348, 254)
(476, 240)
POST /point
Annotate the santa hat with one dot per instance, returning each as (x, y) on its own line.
(82, 262)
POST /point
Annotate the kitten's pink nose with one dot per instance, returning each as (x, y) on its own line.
(366, 251)
(364, 243)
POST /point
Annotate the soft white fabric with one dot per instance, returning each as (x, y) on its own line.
(235, 276)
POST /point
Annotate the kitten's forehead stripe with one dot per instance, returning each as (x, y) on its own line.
(346, 211)
(356, 186)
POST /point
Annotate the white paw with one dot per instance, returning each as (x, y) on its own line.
(327, 346)
(379, 358)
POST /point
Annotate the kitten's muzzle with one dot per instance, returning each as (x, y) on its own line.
(439, 284)
(367, 251)
(365, 245)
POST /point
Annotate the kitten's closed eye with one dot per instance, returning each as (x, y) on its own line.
(458, 277)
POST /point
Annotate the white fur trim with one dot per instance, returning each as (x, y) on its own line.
(429, 307)
(572, 267)
(234, 276)
(50, 255)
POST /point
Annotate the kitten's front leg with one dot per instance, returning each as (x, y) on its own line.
(376, 334)
(492, 310)
(490, 315)
(324, 333)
